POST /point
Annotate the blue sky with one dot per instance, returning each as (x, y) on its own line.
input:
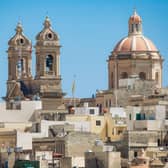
(88, 30)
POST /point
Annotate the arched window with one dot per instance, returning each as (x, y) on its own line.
(49, 63)
(157, 76)
(109, 102)
(123, 75)
(20, 67)
(142, 75)
(22, 64)
(132, 28)
(137, 28)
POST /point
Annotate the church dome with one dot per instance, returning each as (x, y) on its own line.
(135, 41)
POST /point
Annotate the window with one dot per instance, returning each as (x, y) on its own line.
(119, 132)
(159, 142)
(143, 116)
(132, 28)
(20, 67)
(110, 103)
(21, 41)
(135, 153)
(91, 111)
(106, 103)
(49, 35)
(137, 28)
(124, 75)
(37, 127)
(49, 63)
(142, 75)
(98, 122)
(129, 116)
(157, 77)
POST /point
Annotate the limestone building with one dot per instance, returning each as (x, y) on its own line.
(134, 55)
(47, 81)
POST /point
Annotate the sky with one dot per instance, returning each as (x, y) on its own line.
(88, 31)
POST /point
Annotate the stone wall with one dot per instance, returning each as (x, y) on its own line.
(66, 162)
(123, 96)
(77, 143)
(102, 160)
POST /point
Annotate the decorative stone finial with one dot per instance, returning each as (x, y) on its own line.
(47, 23)
(19, 28)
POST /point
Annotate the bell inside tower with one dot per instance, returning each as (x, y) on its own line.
(49, 63)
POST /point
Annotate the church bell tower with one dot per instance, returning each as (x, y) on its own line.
(47, 53)
(48, 65)
(19, 63)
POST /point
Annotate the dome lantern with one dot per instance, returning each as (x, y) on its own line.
(135, 24)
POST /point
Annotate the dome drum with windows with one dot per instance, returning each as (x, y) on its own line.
(135, 54)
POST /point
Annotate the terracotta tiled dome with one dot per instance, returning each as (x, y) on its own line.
(134, 56)
(135, 43)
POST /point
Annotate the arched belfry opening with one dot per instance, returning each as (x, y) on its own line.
(49, 63)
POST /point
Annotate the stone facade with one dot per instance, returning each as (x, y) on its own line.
(71, 145)
(134, 141)
(137, 93)
(102, 159)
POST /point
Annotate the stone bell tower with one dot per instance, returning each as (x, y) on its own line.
(48, 66)
(47, 53)
(19, 63)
